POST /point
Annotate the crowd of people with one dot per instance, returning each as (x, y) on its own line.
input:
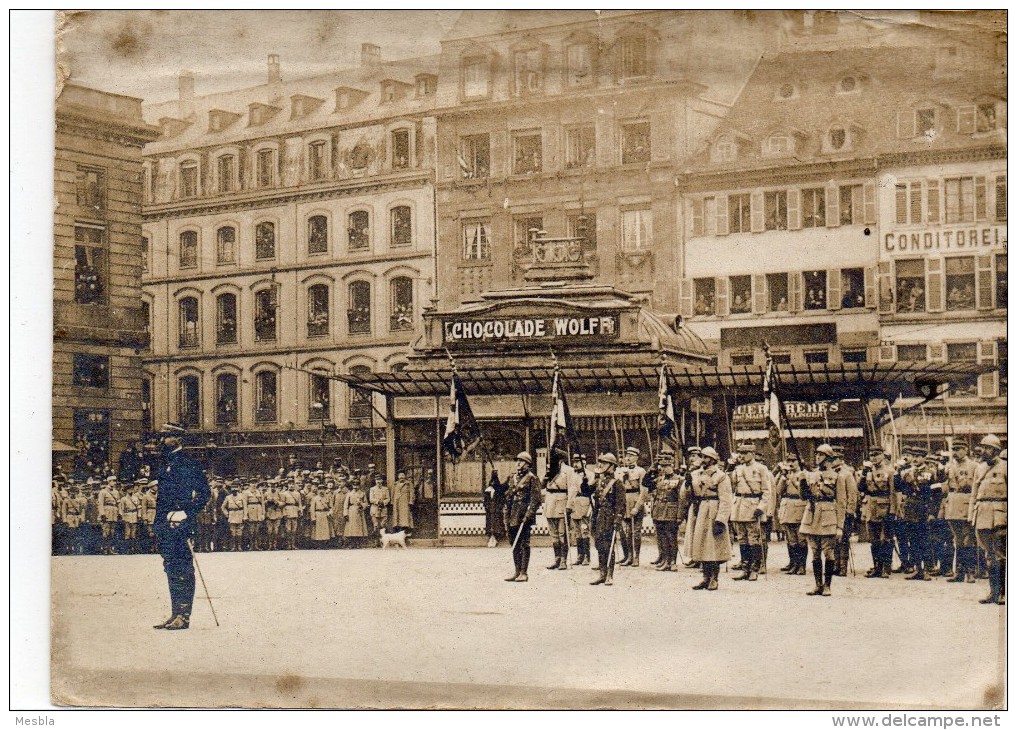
(929, 514)
(298, 508)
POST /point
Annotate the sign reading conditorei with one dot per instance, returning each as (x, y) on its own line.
(531, 329)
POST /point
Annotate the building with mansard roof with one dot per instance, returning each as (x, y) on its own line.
(289, 234)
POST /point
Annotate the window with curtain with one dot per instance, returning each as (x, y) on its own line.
(319, 406)
(188, 249)
(637, 229)
(188, 309)
(265, 315)
(226, 319)
(226, 245)
(266, 396)
(189, 401)
(264, 240)
(359, 229)
(359, 313)
(402, 225)
(360, 400)
(317, 234)
(226, 399)
(317, 310)
(402, 315)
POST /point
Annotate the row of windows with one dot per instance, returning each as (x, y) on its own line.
(636, 233)
(317, 237)
(989, 385)
(402, 316)
(795, 291)
(951, 283)
(962, 199)
(527, 149)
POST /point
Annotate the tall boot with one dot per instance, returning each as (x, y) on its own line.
(586, 551)
(831, 568)
(516, 564)
(995, 575)
(747, 562)
(579, 551)
(702, 585)
(817, 573)
(741, 561)
(557, 557)
(887, 546)
(714, 576)
(792, 560)
(962, 566)
(877, 560)
(756, 561)
(637, 544)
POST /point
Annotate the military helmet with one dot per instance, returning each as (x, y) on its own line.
(825, 450)
(524, 456)
(991, 441)
(710, 453)
(606, 460)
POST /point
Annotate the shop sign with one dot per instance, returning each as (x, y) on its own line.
(531, 329)
(938, 241)
(820, 413)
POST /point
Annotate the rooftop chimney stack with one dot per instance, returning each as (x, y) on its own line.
(274, 69)
(370, 55)
(185, 85)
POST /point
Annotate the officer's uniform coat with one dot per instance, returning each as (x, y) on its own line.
(877, 486)
(320, 509)
(353, 511)
(380, 498)
(988, 498)
(522, 498)
(791, 505)
(713, 489)
(631, 478)
(128, 509)
(72, 511)
(753, 490)
(666, 497)
(611, 505)
(557, 494)
(402, 499)
(827, 504)
(960, 479)
(109, 508)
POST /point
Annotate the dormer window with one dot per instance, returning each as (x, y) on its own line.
(475, 76)
(985, 117)
(260, 113)
(426, 84)
(778, 144)
(342, 99)
(301, 106)
(528, 71)
(219, 119)
(388, 92)
(724, 150)
(347, 97)
(837, 138)
(579, 57)
(977, 118)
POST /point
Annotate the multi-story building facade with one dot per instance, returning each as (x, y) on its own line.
(289, 233)
(573, 123)
(98, 328)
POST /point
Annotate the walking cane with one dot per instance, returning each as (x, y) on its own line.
(567, 545)
(190, 544)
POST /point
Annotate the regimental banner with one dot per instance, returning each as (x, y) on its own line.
(531, 329)
(812, 415)
(946, 240)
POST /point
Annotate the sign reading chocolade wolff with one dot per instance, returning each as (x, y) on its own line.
(524, 329)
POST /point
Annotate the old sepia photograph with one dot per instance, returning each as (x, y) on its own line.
(529, 359)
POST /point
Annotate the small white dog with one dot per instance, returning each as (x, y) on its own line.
(393, 539)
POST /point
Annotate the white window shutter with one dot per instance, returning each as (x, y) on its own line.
(759, 294)
(833, 287)
(721, 296)
(721, 216)
(934, 285)
(987, 381)
(966, 119)
(887, 290)
(984, 282)
(870, 286)
(981, 213)
(757, 218)
(794, 288)
(832, 206)
(869, 203)
(932, 206)
(686, 298)
(794, 209)
(694, 209)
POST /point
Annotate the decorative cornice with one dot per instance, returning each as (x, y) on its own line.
(342, 351)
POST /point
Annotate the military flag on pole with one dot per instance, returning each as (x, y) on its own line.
(771, 402)
(562, 436)
(462, 432)
(667, 424)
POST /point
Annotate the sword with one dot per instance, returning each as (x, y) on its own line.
(190, 544)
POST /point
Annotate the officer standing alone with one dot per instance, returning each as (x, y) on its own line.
(522, 498)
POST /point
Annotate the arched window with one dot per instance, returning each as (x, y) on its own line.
(402, 226)
(318, 404)
(226, 169)
(264, 241)
(188, 249)
(359, 314)
(359, 229)
(264, 315)
(266, 396)
(226, 245)
(226, 399)
(317, 234)
(188, 322)
(226, 319)
(401, 317)
(146, 404)
(146, 318)
(189, 401)
(317, 310)
(360, 400)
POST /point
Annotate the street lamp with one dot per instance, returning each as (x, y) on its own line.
(320, 408)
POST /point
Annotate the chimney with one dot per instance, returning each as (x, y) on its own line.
(274, 69)
(370, 55)
(185, 84)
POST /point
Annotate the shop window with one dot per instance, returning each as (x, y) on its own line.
(584, 226)
(781, 358)
(226, 167)
(226, 399)
(637, 230)
(188, 249)
(266, 397)
(91, 371)
(475, 71)
(852, 288)
(1001, 366)
(475, 156)
(1001, 281)
(316, 160)
(90, 189)
(400, 149)
(817, 357)
(963, 352)
(359, 314)
(526, 153)
(909, 203)
(91, 261)
(265, 305)
(580, 147)
(226, 319)
(265, 168)
(853, 355)
(319, 403)
(911, 285)
(226, 245)
(525, 230)
(264, 241)
(960, 283)
(852, 209)
(188, 321)
(705, 296)
(633, 54)
(360, 400)
(401, 317)
(776, 285)
(739, 213)
(775, 205)
(476, 241)
(189, 401)
(741, 294)
(402, 225)
(815, 289)
(814, 208)
(529, 74)
(317, 234)
(743, 359)
(635, 140)
(579, 57)
(317, 310)
(189, 180)
(1001, 198)
(912, 353)
(359, 230)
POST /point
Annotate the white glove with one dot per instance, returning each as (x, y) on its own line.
(175, 518)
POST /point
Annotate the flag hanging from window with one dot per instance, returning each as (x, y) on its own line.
(667, 425)
(462, 432)
(562, 437)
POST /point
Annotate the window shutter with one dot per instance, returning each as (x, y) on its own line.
(983, 282)
(980, 208)
(906, 124)
(936, 352)
(886, 287)
(987, 381)
(934, 285)
(832, 206)
(694, 209)
(721, 296)
(932, 200)
(966, 119)
(833, 289)
(794, 209)
(759, 294)
(794, 289)
(757, 212)
(499, 156)
(721, 216)
(686, 298)
(870, 286)
(888, 353)
(869, 203)
(204, 174)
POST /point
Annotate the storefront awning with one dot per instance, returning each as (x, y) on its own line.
(818, 381)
